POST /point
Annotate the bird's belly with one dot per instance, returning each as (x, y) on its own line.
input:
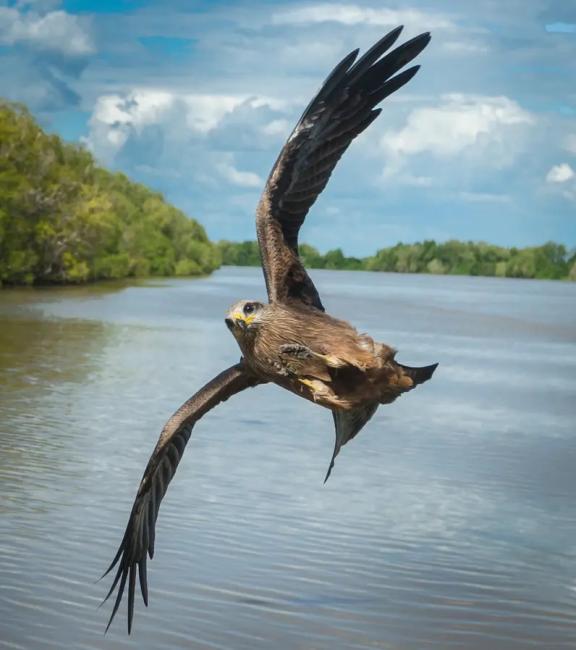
(328, 394)
(343, 374)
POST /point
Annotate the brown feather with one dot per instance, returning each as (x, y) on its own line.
(138, 538)
(343, 107)
(291, 341)
(320, 357)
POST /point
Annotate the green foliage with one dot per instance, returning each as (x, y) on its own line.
(550, 261)
(244, 253)
(311, 257)
(63, 219)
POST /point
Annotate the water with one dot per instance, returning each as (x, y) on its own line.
(449, 522)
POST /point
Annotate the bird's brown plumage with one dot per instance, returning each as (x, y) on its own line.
(320, 357)
(342, 109)
(290, 341)
(138, 540)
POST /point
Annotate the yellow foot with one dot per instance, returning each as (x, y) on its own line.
(331, 361)
(313, 385)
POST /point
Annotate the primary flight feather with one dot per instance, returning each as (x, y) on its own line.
(290, 341)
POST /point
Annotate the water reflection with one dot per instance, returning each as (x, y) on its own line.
(449, 523)
(42, 364)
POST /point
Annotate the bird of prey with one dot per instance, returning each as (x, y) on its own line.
(290, 341)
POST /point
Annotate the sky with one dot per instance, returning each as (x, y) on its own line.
(196, 98)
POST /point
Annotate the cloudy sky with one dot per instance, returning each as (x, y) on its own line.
(195, 98)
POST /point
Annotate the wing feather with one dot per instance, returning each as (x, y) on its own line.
(138, 540)
(343, 108)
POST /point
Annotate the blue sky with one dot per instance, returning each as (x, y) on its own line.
(196, 98)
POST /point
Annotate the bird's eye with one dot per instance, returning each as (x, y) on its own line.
(249, 308)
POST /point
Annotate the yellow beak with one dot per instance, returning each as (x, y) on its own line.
(239, 319)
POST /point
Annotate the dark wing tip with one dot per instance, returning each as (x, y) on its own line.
(341, 110)
(338, 72)
(352, 56)
(143, 580)
(127, 572)
(123, 573)
(329, 471)
(131, 589)
(113, 563)
(374, 53)
(138, 540)
(421, 41)
(392, 35)
(392, 85)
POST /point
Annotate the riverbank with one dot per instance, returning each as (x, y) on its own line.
(550, 261)
(66, 220)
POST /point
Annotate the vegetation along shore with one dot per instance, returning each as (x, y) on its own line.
(64, 219)
(550, 261)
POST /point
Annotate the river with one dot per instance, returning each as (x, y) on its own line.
(449, 522)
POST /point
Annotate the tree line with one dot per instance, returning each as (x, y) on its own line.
(550, 261)
(64, 219)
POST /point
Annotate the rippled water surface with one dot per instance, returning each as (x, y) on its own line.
(449, 522)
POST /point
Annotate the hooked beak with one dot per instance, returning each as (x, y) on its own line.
(237, 320)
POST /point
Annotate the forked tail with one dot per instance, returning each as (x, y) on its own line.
(348, 424)
(419, 375)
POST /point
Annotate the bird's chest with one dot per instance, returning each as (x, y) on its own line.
(264, 355)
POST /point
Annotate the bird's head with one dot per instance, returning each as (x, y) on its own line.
(244, 317)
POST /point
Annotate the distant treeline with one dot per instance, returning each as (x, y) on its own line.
(550, 261)
(64, 219)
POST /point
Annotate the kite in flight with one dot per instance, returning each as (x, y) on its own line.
(290, 341)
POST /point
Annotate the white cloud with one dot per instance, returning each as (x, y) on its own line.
(177, 113)
(118, 118)
(488, 130)
(279, 127)
(302, 53)
(144, 107)
(351, 14)
(192, 108)
(239, 178)
(205, 112)
(138, 108)
(560, 174)
(56, 31)
(561, 180)
(192, 136)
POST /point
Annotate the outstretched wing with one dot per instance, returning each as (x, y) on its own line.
(343, 108)
(138, 541)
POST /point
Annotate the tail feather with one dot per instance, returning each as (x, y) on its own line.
(419, 375)
(347, 425)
